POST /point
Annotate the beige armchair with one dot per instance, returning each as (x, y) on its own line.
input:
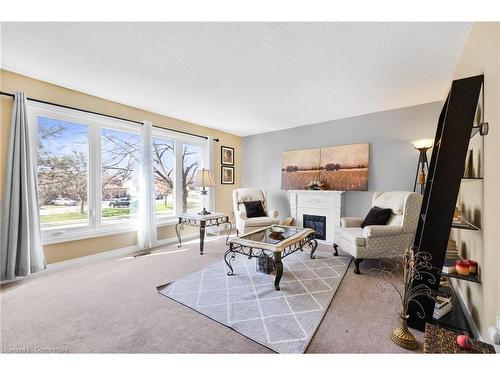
(244, 224)
(380, 241)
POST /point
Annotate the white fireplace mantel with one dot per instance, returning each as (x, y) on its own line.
(328, 203)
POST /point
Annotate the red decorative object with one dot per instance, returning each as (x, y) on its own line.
(472, 267)
(464, 341)
(462, 267)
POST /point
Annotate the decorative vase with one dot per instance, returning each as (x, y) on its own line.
(402, 336)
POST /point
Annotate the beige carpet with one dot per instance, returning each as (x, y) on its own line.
(113, 306)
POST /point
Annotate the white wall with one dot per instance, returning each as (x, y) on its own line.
(481, 55)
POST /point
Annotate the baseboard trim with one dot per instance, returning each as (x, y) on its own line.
(116, 253)
(171, 240)
(465, 309)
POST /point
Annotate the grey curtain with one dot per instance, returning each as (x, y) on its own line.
(21, 251)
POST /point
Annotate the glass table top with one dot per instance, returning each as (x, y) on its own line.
(267, 235)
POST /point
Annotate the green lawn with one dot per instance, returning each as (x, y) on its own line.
(106, 212)
(67, 216)
(161, 208)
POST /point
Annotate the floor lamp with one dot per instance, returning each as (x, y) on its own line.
(203, 179)
(422, 145)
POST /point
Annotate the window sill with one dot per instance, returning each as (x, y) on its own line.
(166, 221)
(48, 239)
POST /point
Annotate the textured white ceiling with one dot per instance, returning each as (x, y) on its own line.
(244, 78)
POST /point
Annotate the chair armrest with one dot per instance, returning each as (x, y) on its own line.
(351, 222)
(240, 215)
(272, 213)
(382, 230)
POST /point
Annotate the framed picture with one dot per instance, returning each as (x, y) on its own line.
(226, 155)
(343, 167)
(227, 175)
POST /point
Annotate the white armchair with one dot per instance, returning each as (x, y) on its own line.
(380, 241)
(244, 224)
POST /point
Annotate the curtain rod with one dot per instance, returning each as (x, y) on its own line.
(105, 115)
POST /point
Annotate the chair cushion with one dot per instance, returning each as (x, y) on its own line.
(254, 209)
(377, 216)
(352, 235)
(260, 221)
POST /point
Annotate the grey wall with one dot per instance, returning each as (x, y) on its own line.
(393, 160)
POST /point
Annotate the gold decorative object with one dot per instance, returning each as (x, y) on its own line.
(400, 274)
(402, 336)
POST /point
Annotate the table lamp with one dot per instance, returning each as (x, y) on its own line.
(203, 179)
(422, 145)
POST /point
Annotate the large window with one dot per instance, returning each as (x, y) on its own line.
(164, 176)
(89, 173)
(120, 158)
(63, 158)
(192, 156)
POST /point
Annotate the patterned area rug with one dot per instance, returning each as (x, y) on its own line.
(247, 302)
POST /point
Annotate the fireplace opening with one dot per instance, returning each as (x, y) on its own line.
(317, 223)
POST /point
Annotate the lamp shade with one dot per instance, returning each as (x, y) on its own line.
(203, 178)
(423, 143)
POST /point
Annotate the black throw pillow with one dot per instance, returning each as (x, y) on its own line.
(254, 209)
(377, 216)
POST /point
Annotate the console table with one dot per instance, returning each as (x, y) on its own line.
(202, 222)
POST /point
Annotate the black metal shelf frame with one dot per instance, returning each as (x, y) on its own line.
(446, 171)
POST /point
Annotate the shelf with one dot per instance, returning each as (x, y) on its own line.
(463, 224)
(472, 178)
(472, 279)
(455, 320)
(474, 131)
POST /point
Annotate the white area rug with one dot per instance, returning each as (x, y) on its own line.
(247, 302)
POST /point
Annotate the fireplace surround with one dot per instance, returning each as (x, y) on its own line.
(327, 203)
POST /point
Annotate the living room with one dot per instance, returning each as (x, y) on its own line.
(345, 201)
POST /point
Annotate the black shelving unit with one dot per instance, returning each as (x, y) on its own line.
(464, 224)
(455, 320)
(471, 278)
(446, 170)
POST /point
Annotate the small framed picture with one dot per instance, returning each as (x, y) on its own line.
(227, 175)
(226, 155)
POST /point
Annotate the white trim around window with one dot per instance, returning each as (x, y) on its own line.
(95, 124)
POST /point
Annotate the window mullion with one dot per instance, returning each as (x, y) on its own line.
(178, 177)
(94, 193)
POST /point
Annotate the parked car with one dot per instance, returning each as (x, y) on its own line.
(63, 202)
(120, 202)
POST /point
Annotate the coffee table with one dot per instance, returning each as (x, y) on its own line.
(264, 243)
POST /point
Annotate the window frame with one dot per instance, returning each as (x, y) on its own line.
(95, 123)
(179, 140)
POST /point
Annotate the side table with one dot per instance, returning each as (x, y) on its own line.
(202, 221)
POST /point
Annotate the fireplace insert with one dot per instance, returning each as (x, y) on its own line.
(316, 222)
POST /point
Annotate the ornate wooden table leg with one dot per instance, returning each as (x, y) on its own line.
(202, 236)
(279, 269)
(336, 249)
